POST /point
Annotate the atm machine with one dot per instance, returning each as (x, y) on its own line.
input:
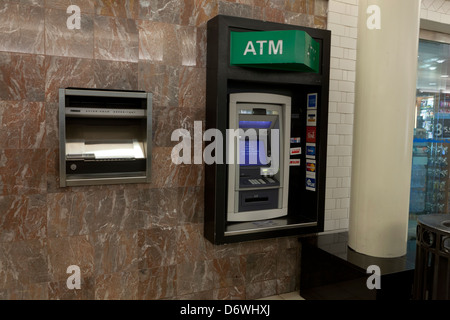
(258, 156)
(267, 93)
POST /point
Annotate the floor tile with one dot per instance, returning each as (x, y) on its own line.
(291, 296)
(276, 297)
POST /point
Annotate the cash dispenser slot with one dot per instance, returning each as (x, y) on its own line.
(258, 200)
(105, 137)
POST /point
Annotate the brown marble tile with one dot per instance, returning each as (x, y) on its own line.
(194, 276)
(21, 28)
(117, 286)
(259, 246)
(23, 262)
(198, 12)
(310, 6)
(51, 125)
(164, 171)
(261, 266)
(288, 263)
(157, 247)
(22, 77)
(116, 39)
(288, 284)
(35, 291)
(39, 3)
(261, 289)
(86, 6)
(70, 214)
(192, 85)
(161, 207)
(191, 200)
(124, 9)
(66, 251)
(284, 243)
(200, 295)
(52, 166)
(22, 171)
(229, 272)
(230, 293)
(274, 15)
(63, 72)
(23, 218)
(62, 41)
(320, 22)
(298, 6)
(32, 291)
(168, 207)
(116, 75)
(278, 4)
(187, 39)
(157, 283)
(9, 294)
(162, 81)
(151, 40)
(22, 125)
(57, 290)
(167, 11)
(240, 10)
(321, 8)
(299, 19)
(115, 252)
(227, 250)
(165, 121)
(191, 245)
(191, 175)
(153, 44)
(201, 46)
(117, 210)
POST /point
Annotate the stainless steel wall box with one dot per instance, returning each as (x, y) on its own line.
(105, 136)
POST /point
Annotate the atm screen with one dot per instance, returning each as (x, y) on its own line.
(252, 153)
(243, 124)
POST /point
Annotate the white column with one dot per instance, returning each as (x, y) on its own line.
(386, 71)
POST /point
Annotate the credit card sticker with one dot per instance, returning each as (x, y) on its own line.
(296, 151)
(311, 150)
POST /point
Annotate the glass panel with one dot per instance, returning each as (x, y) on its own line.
(430, 163)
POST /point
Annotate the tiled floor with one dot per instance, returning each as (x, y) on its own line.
(285, 296)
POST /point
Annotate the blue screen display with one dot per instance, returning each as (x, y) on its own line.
(254, 124)
(252, 153)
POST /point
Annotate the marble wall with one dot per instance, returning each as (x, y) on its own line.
(142, 241)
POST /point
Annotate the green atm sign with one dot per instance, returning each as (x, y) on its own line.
(285, 50)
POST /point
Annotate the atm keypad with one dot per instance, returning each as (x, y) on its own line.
(258, 182)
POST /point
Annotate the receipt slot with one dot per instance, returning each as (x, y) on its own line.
(258, 156)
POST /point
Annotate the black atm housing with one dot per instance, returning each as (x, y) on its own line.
(305, 208)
